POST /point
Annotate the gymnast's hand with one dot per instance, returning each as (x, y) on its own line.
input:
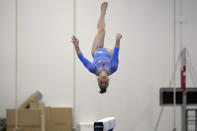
(76, 44)
(118, 36)
(75, 41)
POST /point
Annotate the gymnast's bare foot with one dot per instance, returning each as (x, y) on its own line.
(104, 7)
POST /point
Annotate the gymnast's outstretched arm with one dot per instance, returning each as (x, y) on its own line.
(115, 60)
(85, 61)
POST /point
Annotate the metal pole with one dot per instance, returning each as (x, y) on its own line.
(195, 120)
(74, 67)
(16, 68)
(184, 105)
(174, 81)
(183, 86)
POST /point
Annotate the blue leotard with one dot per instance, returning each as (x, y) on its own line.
(102, 60)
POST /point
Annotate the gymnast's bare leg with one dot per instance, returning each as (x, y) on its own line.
(100, 36)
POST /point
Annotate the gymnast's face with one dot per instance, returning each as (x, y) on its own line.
(103, 80)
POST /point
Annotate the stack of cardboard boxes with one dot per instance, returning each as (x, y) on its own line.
(34, 116)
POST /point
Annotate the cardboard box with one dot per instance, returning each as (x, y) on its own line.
(25, 117)
(49, 119)
(24, 129)
(58, 119)
(33, 105)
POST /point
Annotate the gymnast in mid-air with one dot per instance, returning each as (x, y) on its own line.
(105, 60)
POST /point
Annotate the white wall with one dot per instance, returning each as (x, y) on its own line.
(45, 57)
(45, 62)
(44, 52)
(7, 58)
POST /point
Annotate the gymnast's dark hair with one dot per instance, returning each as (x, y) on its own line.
(103, 90)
